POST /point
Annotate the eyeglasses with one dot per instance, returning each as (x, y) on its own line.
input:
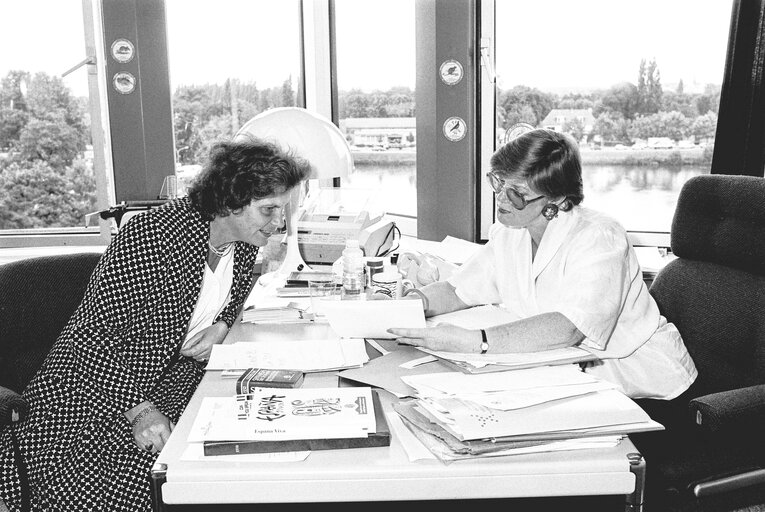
(518, 201)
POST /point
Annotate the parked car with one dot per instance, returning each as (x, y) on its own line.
(661, 143)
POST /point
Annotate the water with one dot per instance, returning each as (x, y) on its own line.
(642, 198)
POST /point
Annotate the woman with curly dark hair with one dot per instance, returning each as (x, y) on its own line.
(168, 287)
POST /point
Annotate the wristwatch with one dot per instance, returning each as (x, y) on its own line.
(484, 342)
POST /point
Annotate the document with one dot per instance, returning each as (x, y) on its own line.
(467, 420)
(387, 371)
(372, 318)
(304, 355)
(509, 390)
(286, 414)
(471, 362)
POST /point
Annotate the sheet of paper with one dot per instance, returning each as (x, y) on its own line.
(468, 420)
(373, 318)
(508, 400)
(386, 371)
(452, 383)
(414, 449)
(451, 249)
(304, 355)
(516, 358)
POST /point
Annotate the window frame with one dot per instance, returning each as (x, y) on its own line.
(443, 169)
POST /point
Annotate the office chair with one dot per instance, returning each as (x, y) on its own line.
(37, 297)
(712, 454)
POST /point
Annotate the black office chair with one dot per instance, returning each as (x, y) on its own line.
(712, 454)
(37, 298)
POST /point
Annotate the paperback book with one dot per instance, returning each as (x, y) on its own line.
(255, 378)
(379, 435)
(269, 414)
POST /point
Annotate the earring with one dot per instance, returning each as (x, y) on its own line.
(550, 211)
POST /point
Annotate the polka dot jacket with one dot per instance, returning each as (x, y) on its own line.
(120, 348)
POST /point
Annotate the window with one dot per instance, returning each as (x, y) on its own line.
(375, 45)
(641, 97)
(47, 178)
(229, 60)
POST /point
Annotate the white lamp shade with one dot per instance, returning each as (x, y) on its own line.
(306, 134)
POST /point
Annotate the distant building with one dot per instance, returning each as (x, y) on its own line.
(558, 117)
(380, 132)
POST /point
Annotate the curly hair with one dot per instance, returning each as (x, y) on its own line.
(237, 173)
(549, 161)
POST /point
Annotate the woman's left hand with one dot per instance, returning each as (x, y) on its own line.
(443, 337)
(200, 345)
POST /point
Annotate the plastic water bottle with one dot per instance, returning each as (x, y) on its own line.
(353, 270)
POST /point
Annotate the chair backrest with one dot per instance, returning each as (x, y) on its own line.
(715, 291)
(37, 297)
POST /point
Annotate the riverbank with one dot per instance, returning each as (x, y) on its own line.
(607, 156)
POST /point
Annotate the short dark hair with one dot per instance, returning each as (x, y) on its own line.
(548, 160)
(237, 173)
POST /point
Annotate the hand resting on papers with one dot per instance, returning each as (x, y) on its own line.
(443, 337)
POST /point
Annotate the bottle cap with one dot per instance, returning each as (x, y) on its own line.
(375, 263)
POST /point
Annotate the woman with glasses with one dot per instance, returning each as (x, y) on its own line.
(566, 273)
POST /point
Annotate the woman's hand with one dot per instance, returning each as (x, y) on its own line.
(200, 345)
(151, 428)
(443, 337)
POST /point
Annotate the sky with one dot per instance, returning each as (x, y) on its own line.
(549, 44)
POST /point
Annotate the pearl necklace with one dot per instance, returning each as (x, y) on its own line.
(220, 252)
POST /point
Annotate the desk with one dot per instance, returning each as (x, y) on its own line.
(377, 474)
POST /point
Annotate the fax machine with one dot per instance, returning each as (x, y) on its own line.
(330, 219)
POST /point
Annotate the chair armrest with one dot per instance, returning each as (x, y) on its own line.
(13, 407)
(729, 411)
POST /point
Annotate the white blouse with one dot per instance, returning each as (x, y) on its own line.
(585, 269)
(215, 294)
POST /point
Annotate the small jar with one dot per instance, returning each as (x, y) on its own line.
(374, 265)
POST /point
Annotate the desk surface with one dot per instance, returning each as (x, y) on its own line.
(370, 474)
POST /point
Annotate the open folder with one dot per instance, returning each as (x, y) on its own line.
(372, 318)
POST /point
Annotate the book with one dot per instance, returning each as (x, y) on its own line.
(301, 278)
(269, 414)
(253, 378)
(380, 437)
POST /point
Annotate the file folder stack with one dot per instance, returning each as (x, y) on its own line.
(539, 409)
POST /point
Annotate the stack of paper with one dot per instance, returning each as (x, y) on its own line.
(275, 420)
(304, 355)
(289, 314)
(536, 409)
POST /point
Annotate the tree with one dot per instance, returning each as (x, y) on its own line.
(642, 89)
(621, 98)
(11, 123)
(52, 141)
(575, 128)
(652, 100)
(703, 128)
(514, 101)
(679, 102)
(37, 195)
(612, 127)
(709, 101)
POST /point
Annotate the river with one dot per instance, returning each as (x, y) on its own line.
(642, 198)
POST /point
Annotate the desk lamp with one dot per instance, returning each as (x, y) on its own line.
(312, 137)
